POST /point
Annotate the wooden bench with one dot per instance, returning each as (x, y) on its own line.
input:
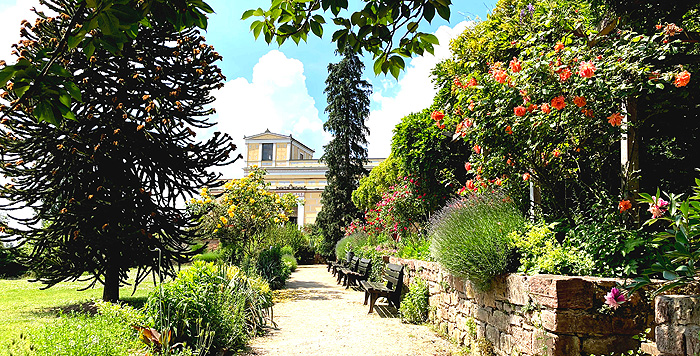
(364, 267)
(390, 288)
(343, 271)
(333, 266)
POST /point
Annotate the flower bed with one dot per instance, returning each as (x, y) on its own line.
(541, 314)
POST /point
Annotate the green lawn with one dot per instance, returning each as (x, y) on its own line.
(24, 306)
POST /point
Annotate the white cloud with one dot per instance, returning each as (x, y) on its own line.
(415, 93)
(10, 19)
(276, 99)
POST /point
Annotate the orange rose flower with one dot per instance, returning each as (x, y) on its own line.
(515, 65)
(477, 149)
(526, 176)
(500, 76)
(580, 101)
(509, 130)
(437, 115)
(558, 47)
(468, 166)
(682, 79)
(586, 69)
(565, 74)
(558, 102)
(545, 108)
(472, 82)
(470, 185)
(624, 205)
(615, 119)
(519, 111)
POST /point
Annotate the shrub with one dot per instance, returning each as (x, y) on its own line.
(350, 242)
(215, 302)
(417, 247)
(270, 267)
(211, 256)
(614, 250)
(414, 306)
(290, 262)
(542, 253)
(10, 265)
(470, 236)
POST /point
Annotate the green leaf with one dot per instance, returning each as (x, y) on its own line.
(247, 14)
(429, 12)
(444, 12)
(20, 88)
(430, 38)
(412, 26)
(316, 29)
(6, 74)
(43, 112)
(73, 90)
(108, 23)
(74, 41)
(378, 65)
(257, 26)
(668, 275)
(660, 86)
(65, 100)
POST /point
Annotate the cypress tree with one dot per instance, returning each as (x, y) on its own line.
(104, 186)
(345, 155)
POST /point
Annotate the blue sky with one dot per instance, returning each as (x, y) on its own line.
(281, 88)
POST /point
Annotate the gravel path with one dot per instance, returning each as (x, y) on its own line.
(318, 317)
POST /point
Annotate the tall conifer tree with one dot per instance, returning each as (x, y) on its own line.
(104, 185)
(345, 155)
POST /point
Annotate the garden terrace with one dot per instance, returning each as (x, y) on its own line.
(550, 314)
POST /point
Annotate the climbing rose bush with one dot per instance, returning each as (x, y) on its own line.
(559, 104)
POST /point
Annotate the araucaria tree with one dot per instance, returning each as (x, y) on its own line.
(345, 155)
(103, 185)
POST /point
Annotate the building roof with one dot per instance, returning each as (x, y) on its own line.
(279, 136)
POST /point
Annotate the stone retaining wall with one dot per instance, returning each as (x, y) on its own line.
(532, 315)
(678, 325)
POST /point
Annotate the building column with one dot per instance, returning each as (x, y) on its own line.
(300, 213)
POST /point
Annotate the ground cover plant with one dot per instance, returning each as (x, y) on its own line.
(25, 308)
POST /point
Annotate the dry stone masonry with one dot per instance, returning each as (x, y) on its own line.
(534, 315)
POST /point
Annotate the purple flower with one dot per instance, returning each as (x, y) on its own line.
(531, 8)
(614, 298)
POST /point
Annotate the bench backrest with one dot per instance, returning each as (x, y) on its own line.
(364, 267)
(348, 256)
(393, 275)
(353, 264)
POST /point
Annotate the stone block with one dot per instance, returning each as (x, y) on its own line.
(507, 344)
(562, 292)
(499, 320)
(605, 345)
(480, 330)
(670, 340)
(483, 314)
(493, 336)
(549, 344)
(522, 340)
(516, 290)
(677, 309)
(649, 348)
(580, 322)
(515, 320)
(692, 341)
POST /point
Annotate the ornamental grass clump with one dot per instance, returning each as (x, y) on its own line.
(470, 236)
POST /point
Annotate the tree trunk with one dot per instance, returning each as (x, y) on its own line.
(111, 287)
